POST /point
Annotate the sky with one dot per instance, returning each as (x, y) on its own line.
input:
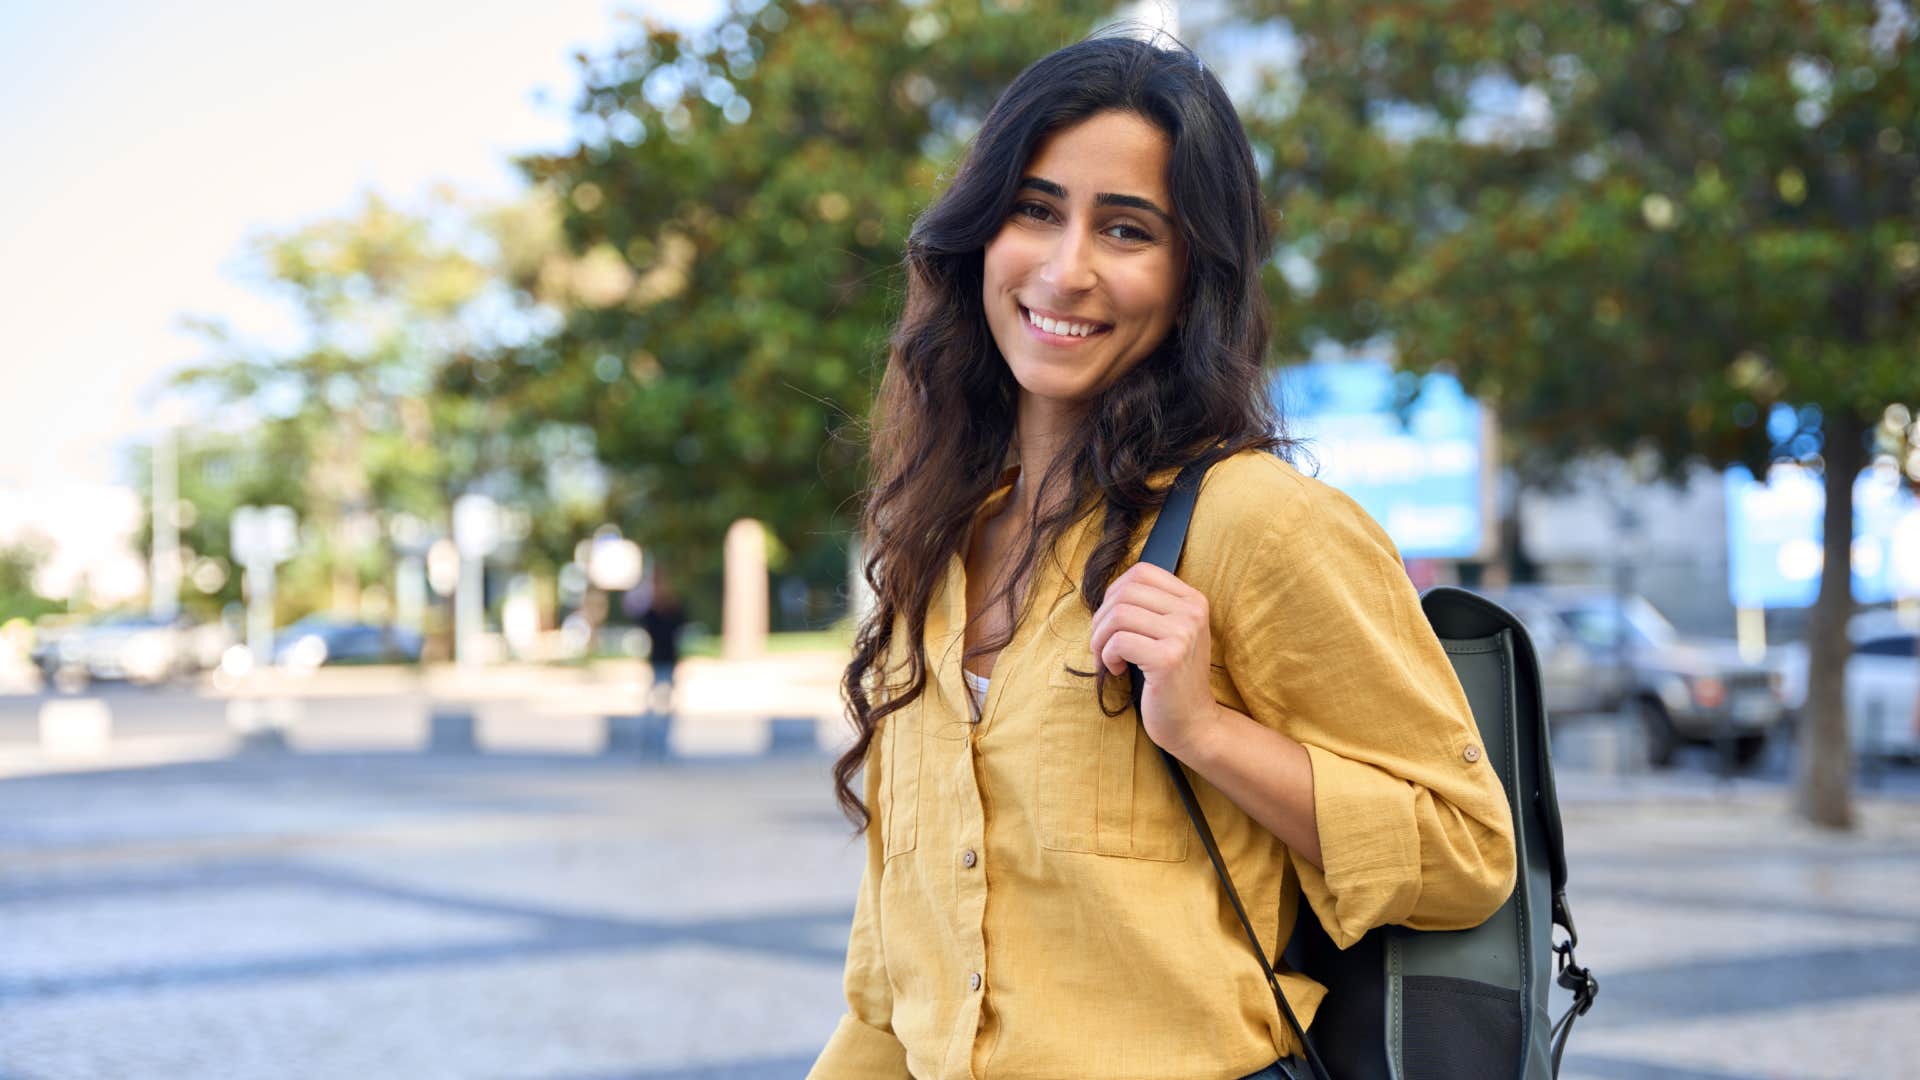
(145, 143)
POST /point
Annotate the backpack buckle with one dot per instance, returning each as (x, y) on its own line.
(1563, 916)
(1575, 978)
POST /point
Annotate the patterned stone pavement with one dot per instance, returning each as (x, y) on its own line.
(572, 917)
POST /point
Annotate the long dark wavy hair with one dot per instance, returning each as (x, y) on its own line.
(943, 419)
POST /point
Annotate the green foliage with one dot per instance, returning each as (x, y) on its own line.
(742, 198)
(355, 429)
(1629, 225)
(19, 561)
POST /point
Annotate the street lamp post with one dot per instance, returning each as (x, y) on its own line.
(262, 537)
(476, 531)
(163, 593)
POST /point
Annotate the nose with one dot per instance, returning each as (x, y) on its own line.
(1069, 267)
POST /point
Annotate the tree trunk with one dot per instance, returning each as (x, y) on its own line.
(1826, 751)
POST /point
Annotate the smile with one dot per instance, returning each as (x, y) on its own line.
(1058, 331)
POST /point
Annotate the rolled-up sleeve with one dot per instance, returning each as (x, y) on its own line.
(1326, 642)
(863, 1047)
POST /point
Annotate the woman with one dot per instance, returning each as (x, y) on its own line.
(1084, 316)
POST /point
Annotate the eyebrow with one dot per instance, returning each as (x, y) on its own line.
(1105, 198)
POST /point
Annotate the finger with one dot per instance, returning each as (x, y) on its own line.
(1129, 647)
(1190, 612)
(1149, 574)
(1120, 617)
(1153, 580)
(1127, 619)
(1138, 587)
(1143, 594)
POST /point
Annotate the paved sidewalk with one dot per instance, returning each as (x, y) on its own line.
(416, 916)
(1734, 941)
(571, 917)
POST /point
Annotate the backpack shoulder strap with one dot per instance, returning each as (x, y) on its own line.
(1164, 546)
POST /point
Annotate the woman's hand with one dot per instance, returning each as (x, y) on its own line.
(1159, 623)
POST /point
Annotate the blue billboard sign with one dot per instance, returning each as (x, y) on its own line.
(1422, 470)
(1774, 549)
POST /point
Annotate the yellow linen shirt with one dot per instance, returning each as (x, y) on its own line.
(1035, 905)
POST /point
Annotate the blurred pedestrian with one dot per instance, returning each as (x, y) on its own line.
(1084, 316)
(663, 621)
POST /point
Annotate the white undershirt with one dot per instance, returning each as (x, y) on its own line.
(976, 691)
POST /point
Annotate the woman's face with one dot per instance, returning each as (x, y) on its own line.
(1084, 278)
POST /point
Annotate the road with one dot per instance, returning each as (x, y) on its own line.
(519, 708)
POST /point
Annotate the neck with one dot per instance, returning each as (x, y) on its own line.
(1041, 432)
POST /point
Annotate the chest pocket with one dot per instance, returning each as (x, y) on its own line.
(1102, 787)
(900, 735)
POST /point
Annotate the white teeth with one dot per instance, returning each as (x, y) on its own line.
(1059, 326)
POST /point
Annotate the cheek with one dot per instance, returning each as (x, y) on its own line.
(1008, 260)
(993, 265)
(1150, 295)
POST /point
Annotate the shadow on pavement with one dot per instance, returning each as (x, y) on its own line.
(781, 1068)
(1602, 1067)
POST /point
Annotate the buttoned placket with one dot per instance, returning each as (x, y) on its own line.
(968, 837)
(973, 805)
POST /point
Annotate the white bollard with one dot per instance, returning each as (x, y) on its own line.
(243, 715)
(263, 723)
(75, 727)
(743, 608)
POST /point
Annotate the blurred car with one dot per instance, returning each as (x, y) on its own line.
(318, 639)
(1883, 684)
(135, 648)
(1682, 690)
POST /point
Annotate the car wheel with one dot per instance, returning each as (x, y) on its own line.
(1662, 740)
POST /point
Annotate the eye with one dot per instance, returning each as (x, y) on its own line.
(1128, 232)
(1034, 210)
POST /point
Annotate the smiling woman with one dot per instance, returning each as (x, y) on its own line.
(1084, 317)
(1083, 280)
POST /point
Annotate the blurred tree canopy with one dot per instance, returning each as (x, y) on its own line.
(742, 197)
(20, 560)
(353, 430)
(1568, 203)
(1628, 225)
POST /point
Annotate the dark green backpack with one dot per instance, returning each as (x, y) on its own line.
(1407, 1004)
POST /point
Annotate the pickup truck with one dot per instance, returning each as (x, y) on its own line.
(1599, 655)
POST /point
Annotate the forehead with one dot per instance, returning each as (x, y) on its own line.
(1116, 153)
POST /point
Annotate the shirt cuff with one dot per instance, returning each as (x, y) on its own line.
(1369, 845)
(860, 1051)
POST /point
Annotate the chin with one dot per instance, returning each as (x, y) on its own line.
(1048, 381)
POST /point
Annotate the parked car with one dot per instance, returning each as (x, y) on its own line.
(134, 648)
(320, 639)
(1883, 685)
(1682, 690)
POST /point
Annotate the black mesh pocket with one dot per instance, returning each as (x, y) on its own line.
(1458, 1029)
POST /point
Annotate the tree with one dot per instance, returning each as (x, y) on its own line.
(356, 426)
(20, 560)
(1632, 226)
(743, 195)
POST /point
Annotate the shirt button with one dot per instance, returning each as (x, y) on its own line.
(1471, 753)
(968, 858)
(973, 981)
